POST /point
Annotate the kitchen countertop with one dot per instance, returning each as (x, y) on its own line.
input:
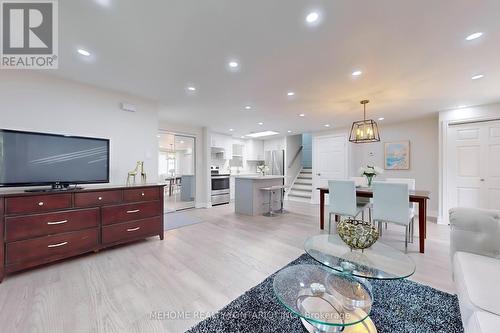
(260, 177)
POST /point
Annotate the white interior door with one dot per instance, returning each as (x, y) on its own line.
(329, 161)
(473, 168)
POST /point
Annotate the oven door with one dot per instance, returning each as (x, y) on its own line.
(220, 183)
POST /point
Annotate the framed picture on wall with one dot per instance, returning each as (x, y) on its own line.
(397, 155)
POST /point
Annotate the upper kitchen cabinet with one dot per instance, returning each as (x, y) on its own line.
(254, 150)
(222, 143)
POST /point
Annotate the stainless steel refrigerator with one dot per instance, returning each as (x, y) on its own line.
(275, 160)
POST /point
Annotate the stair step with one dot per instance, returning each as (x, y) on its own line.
(299, 199)
(303, 187)
(303, 182)
(304, 176)
(301, 194)
(306, 171)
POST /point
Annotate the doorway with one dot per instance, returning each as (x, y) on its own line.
(176, 168)
(329, 161)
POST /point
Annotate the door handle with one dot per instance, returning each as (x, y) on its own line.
(318, 174)
(482, 179)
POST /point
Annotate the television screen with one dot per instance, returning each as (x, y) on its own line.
(28, 158)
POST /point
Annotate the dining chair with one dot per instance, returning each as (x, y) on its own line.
(413, 206)
(391, 204)
(342, 200)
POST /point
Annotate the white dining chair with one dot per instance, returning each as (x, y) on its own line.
(411, 186)
(342, 200)
(363, 182)
(391, 204)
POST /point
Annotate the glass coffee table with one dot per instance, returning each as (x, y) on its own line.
(380, 261)
(325, 300)
(336, 296)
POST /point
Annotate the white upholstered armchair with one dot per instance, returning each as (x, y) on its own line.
(475, 253)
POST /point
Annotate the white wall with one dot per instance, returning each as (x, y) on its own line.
(35, 101)
(423, 136)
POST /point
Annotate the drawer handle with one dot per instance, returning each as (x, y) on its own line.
(100, 198)
(142, 193)
(58, 222)
(57, 245)
(40, 203)
(133, 229)
(133, 211)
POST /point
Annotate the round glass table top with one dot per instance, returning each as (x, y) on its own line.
(323, 297)
(380, 261)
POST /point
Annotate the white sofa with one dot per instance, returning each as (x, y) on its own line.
(475, 253)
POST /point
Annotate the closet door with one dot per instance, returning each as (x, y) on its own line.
(474, 165)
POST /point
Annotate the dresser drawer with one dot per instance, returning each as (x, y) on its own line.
(122, 232)
(144, 194)
(31, 226)
(37, 203)
(93, 199)
(130, 212)
(50, 248)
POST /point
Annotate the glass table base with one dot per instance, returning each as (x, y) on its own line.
(365, 326)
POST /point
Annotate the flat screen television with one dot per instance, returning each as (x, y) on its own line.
(36, 159)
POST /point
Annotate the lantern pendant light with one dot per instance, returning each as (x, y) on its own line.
(365, 130)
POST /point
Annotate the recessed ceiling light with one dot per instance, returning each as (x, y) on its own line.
(357, 73)
(158, 136)
(248, 107)
(312, 17)
(181, 141)
(478, 76)
(231, 130)
(84, 52)
(191, 88)
(474, 36)
(289, 131)
(381, 118)
(233, 64)
(261, 134)
(290, 93)
(302, 115)
(261, 123)
(327, 125)
(242, 136)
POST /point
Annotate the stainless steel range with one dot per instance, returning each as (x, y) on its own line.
(220, 187)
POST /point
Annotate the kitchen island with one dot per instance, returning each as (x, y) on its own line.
(249, 199)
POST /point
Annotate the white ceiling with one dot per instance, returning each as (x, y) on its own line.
(413, 55)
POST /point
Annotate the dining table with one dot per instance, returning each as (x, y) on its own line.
(416, 196)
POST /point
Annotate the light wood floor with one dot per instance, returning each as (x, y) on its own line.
(197, 269)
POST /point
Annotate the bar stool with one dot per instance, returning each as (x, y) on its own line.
(282, 189)
(272, 190)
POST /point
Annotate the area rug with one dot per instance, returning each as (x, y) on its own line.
(400, 306)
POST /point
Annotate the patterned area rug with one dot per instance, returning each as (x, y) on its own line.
(399, 306)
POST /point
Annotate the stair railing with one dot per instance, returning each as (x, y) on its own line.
(295, 156)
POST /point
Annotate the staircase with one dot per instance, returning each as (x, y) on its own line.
(301, 190)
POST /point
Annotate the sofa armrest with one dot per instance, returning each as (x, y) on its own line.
(475, 231)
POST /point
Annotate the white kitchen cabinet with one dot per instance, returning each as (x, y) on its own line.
(254, 150)
(224, 142)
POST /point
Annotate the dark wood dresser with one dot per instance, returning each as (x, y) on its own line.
(38, 228)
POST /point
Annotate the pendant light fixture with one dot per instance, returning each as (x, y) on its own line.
(365, 130)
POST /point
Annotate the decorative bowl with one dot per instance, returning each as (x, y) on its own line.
(357, 234)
